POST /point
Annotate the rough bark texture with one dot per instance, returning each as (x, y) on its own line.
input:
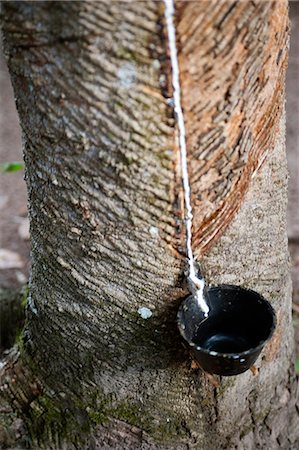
(91, 86)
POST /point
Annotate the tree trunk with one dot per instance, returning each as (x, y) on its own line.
(93, 82)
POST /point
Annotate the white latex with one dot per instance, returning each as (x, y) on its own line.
(197, 282)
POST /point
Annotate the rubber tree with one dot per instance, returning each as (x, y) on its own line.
(92, 82)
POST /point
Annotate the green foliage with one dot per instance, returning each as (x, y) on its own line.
(12, 166)
(297, 365)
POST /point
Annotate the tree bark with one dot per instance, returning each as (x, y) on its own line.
(92, 84)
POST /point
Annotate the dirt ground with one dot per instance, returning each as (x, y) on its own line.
(14, 234)
(14, 256)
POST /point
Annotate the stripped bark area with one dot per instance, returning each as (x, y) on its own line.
(233, 57)
(90, 81)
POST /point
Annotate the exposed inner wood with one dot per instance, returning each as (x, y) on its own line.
(233, 58)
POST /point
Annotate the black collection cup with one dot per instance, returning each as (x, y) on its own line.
(229, 340)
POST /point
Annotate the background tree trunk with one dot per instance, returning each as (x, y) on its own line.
(92, 85)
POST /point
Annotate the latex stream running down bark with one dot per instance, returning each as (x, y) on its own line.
(197, 283)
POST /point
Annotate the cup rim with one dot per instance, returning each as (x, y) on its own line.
(233, 356)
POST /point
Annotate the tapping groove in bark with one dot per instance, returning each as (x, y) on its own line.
(232, 101)
(102, 176)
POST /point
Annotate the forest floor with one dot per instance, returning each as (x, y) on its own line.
(14, 229)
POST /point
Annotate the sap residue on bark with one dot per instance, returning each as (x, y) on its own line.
(145, 313)
(31, 305)
(194, 280)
